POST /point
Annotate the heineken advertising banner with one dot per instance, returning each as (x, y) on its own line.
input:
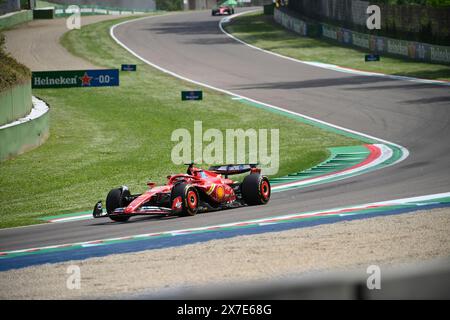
(79, 78)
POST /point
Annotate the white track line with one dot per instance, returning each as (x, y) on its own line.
(405, 152)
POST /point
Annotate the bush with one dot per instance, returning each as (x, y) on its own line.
(11, 71)
(433, 3)
(169, 5)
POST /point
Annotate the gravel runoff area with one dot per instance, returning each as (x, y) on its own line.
(383, 241)
(39, 49)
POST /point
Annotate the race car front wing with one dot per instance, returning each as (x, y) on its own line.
(145, 210)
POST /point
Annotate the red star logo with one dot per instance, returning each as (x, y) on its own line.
(86, 80)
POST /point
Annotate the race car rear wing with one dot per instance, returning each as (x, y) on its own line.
(230, 169)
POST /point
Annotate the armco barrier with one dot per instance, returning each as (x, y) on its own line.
(11, 19)
(380, 45)
(15, 103)
(24, 136)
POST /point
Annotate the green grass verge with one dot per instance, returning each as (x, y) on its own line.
(105, 137)
(262, 31)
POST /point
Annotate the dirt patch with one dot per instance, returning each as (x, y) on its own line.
(384, 241)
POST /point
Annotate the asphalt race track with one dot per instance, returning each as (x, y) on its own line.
(414, 115)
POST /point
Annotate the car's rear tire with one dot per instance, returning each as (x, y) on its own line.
(256, 189)
(114, 200)
(189, 198)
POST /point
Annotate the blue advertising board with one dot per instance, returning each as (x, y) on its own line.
(372, 57)
(77, 78)
(129, 67)
(191, 95)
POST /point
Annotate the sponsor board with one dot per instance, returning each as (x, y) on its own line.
(440, 54)
(372, 57)
(300, 27)
(380, 44)
(191, 95)
(329, 32)
(78, 78)
(361, 40)
(128, 67)
(347, 36)
(398, 47)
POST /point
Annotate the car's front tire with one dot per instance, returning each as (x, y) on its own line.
(114, 200)
(189, 198)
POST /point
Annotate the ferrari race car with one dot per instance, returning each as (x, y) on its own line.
(222, 10)
(188, 194)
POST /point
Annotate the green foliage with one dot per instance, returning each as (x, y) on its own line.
(24, 4)
(169, 5)
(433, 3)
(11, 71)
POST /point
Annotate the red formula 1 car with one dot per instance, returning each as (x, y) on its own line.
(222, 10)
(188, 194)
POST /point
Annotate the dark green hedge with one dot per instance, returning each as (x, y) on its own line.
(433, 3)
(11, 71)
(169, 5)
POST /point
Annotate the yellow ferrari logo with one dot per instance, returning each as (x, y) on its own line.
(220, 192)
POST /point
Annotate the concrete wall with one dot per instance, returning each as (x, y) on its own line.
(17, 137)
(10, 20)
(125, 4)
(15, 103)
(24, 137)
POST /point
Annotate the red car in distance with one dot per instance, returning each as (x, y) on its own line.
(222, 10)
